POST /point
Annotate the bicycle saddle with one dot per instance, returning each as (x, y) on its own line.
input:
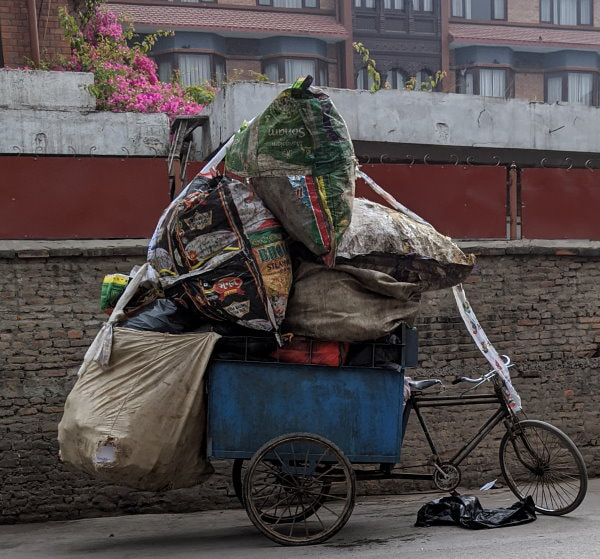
(423, 384)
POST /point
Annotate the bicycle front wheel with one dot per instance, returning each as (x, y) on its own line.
(540, 461)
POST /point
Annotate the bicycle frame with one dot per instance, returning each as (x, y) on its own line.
(418, 402)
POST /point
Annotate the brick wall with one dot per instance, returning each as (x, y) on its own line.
(542, 309)
(529, 11)
(14, 31)
(523, 12)
(529, 86)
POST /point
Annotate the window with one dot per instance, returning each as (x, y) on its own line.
(580, 88)
(288, 70)
(492, 83)
(422, 77)
(193, 69)
(422, 5)
(392, 4)
(484, 10)
(566, 12)
(554, 89)
(571, 87)
(370, 4)
(165, 70)
(289, 3)
(192, 1)
(489, 82)
(396, 78)
(364, 79)
(465, 83)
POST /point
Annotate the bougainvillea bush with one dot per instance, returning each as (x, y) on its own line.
(125, 79)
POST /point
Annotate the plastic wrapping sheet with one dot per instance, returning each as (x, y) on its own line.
(390, 241)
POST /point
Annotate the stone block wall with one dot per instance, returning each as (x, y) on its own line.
(540, 307)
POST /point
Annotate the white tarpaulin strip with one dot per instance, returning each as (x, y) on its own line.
(484, 345)
(466, 312)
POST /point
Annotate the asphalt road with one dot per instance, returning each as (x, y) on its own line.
(379, 527)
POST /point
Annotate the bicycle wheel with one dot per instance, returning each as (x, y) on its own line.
(539, 460)
(299, 489)
(238, 472)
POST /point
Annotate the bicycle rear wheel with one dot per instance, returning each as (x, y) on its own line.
(539, 460)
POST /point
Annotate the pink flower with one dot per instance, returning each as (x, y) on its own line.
(125, 79)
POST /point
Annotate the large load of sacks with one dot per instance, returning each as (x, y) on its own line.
(277, 252)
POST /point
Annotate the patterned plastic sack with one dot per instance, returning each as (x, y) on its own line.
(220, 252)
(113, 286)
(300, 157)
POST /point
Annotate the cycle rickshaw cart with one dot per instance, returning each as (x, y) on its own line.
(302, 435)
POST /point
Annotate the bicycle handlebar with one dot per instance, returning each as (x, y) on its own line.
(467, 379)
(487, 376)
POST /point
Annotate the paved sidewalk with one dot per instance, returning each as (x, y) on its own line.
(379, 527)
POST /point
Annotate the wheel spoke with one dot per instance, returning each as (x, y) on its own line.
(327, 497)
(289, 480)
(539, 460)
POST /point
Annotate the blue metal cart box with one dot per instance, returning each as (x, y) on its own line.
(359, 410)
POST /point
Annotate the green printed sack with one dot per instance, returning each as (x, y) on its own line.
(113, 286)
(300, 157)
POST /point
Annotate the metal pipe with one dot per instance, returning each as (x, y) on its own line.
(347, 54)
(512, 201)
(447, 83)
(33, 32)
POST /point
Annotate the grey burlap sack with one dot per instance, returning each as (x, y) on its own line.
(348, 304)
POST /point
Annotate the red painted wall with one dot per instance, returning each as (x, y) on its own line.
(560, 204)
(81, 198)
(105, 198)
(461, 202)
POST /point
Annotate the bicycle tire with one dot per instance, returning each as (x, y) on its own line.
(274, 491)
(237, 474)
(538, 459)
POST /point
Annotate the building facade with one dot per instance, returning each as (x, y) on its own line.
(542, 50)
(215, 40)
(404, 37)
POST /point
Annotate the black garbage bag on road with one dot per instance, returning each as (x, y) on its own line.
(467, 512)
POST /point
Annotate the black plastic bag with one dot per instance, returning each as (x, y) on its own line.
(467, 512)
(163, 315)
